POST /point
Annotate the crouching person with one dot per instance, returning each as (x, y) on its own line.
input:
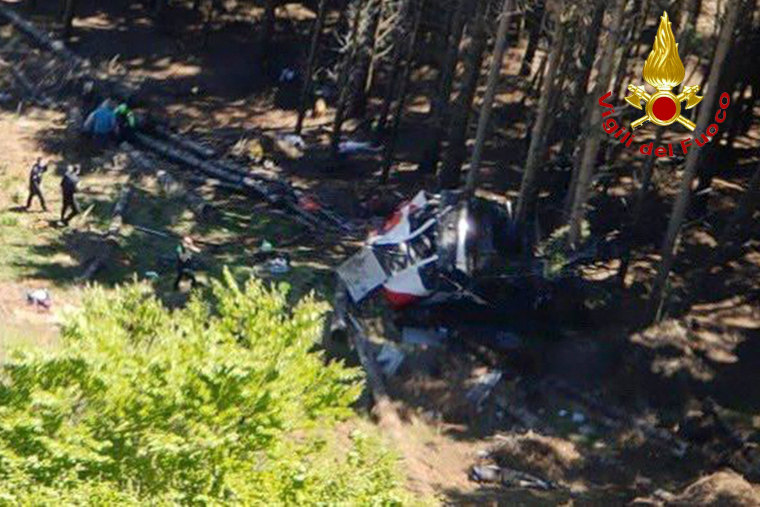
(101, 124)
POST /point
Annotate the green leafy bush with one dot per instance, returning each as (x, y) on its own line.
(223, 401)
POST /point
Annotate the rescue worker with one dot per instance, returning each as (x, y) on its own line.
(35, 184)
(126, 122)
(101, 123)
(185, 251)
(69, 189)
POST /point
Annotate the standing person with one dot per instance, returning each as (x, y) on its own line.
(185, 252)
(69, 189)
(35, 184)
(101, 123)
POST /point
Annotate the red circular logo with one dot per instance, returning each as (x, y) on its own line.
(664, 108)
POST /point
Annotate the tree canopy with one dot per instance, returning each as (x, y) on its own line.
(225, 400)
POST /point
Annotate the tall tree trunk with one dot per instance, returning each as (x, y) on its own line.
(594, 138)
(450, 173)
(208, 20)
(614, 149)
(69, 9)
(497, 63)
(390, 147)
(744, 211)
(630, 33)
(733, 80)
(158, 9)
(308, 74)
(629, 233)
(681, 205)
(689, 14)
(537, 147)
(364, 56)
(439, 110)
(344, 80)
(580, 87)
(268, 22)
(397, 61)
(534, 20)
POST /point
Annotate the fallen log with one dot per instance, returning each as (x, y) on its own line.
(245, 184)
(384, 408)
(115, 87)
(182, 157)
(246, 180)
(170, 185)
(184, 143)
(27, 86)
(202, 180)
(40, 37)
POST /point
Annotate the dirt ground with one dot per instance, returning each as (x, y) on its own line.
(607, 412)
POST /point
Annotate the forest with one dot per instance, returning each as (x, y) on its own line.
(380, 252)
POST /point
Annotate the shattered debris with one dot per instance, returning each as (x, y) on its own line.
(362, 274)
(39, 298)
(424, 337)
(483, 387)
(390, 359)
(358, 148)
(508, 477)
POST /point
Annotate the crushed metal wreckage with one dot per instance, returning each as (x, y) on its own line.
(431, 246)
(451, 261)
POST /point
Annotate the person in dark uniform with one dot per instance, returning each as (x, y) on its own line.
(185, 271)
(69, 189)
(35, 184)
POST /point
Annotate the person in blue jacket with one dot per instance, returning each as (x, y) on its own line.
(101, 123)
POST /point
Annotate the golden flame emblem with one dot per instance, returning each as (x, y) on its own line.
(664, 70)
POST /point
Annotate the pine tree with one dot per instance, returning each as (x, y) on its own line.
(497, 62)
(449, 175)
(594, 138)
(537, 147)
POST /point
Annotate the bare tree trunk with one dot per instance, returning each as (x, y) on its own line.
(208, 20)
(742, 214)
(449, 174)
(310, 62)
(364, 55)
(69, 9)
(594, 138)
(390, 147)
(269, 21)
(343, 81)
(734, 80)
(692, 12)
(580, 87)
(395, 72)
(485, 109)
(681, 205)
(535, 21)
(629, 233)
(627, 43)
(158, 9)
(440, 103)
(614, 149)
(537, 147)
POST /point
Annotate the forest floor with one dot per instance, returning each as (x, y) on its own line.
(614, 412)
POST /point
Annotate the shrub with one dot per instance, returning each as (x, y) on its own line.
(223, 401)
